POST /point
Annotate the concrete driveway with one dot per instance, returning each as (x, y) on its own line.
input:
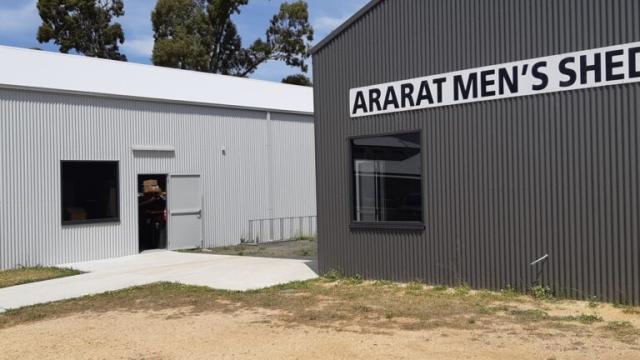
(215, 271)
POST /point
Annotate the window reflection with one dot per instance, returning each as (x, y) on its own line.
(387, 178)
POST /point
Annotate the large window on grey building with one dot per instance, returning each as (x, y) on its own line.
(387, 179)
(90, 192)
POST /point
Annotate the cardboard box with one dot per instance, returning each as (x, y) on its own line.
(77, 214)
(151, 186)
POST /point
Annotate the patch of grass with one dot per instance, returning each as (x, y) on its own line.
(462, 290)
(627, 309)
(540, 292)
(33, 274)
(414, 287)
(593, 302)
(354, 280)
(584, 318)
(382, 283)
(440, 288)
(303, 238)
(332, 275)
(540, 315)
(530, 314)
(484, 309)
(618, 325)
(510, 292)
(623, 331)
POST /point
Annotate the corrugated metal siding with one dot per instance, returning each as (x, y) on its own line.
(505, 182)
(38, 130)
(293, 139)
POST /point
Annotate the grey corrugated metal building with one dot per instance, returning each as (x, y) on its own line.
(79, 136)
(478, 179)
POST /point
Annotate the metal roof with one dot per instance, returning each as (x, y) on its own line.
(340, 29)
(49, 71)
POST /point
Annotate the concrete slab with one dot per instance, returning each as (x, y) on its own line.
(215, 271)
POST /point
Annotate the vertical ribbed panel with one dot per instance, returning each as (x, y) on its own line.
(507, 181)
(293, 167)
(38, 130)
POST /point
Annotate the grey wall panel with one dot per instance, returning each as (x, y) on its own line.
(38, 130)
(507, 181)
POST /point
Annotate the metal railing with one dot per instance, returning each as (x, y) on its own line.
(282, 229)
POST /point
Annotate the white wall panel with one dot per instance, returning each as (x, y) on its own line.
(39, 129)
(293, 171)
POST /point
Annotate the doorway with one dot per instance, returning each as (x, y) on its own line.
(152, 212)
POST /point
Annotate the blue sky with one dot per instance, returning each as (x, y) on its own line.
(19, 23)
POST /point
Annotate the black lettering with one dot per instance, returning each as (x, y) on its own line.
(634, 72)
(510, 81)
(611, 65)
(541, 76)
(486, 82)
(360, 104)
(585, 68)
(374, 99)
(465, 90)
(391, 98)
(424, 93)
(407, 94)
(567, 71)
(439, 82)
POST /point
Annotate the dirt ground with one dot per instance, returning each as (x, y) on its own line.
(254, 335)
(328, 318)
(295, 249)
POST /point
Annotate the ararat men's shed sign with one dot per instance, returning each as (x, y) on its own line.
(580, 70)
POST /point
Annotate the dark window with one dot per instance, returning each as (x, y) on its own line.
(387, 178)
(90, 191)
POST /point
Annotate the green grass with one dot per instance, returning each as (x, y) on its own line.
(32, 274)
(540, 315)
(335, 301)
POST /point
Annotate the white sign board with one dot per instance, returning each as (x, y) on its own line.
(572, 71)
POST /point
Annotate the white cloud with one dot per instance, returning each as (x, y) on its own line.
(138, 46)
(20, 20)
(273, 71)
(328, 23)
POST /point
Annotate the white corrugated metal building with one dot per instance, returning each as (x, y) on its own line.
(80, 136)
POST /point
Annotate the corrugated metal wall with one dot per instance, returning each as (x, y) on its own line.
(507, 181)
(38, 130)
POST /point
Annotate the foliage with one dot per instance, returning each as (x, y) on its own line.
(462, 290)
(541, 292)
(200, 35)
(84, 26)
(298, 79)
(180, 31)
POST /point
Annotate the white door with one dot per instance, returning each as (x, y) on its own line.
(185, 212)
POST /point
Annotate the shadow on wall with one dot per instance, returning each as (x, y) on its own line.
(154, 154)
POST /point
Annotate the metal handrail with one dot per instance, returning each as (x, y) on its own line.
(288, 228)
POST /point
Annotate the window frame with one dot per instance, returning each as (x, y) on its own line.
(114, 220)
(384, 225)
